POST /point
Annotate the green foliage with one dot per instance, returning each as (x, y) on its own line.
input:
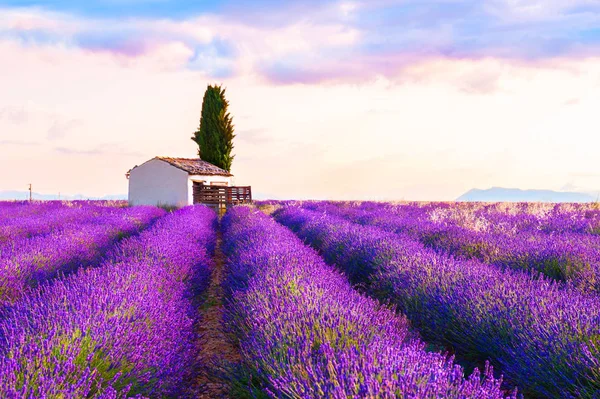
(215, 134)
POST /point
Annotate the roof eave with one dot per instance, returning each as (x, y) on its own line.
(190, 173)
(210, 174)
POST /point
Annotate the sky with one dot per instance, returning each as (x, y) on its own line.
(379, 99)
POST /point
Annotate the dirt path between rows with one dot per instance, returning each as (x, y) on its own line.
(216, 351)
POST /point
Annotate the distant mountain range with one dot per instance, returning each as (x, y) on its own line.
(499, 194)
(24, 195)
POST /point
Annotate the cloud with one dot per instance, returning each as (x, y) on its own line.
(569, 186)
(254, 136)
(36, 122)
(60, 128)
(115, 44)
(100, 150)
(16, 115)
(112, 8)
(540, 10)
(73, 151)
(18, 143)
(341, 41)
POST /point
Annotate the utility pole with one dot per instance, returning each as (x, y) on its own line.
(30, 197)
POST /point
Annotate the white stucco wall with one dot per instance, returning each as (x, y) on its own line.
(207, 180)
(158, 183)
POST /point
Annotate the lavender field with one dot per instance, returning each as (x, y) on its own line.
(300, 300)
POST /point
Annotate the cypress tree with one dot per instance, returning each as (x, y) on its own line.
(215, 134)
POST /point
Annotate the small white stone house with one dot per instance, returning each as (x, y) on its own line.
(171, 181)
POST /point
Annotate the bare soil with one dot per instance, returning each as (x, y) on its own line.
(217, 353)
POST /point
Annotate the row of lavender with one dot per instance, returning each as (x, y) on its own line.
(516, 217)
(15, 210)
(563, 256)
(24, 220)
(304, 332)
(26, 262)
(541, 334)
(119, 330)
(501, 217)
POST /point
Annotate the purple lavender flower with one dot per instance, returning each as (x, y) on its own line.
(27, 262)
(304, 332)
(564, 256)
(123, 329)
(543, 335)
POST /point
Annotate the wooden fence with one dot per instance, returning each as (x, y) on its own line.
(221, 195)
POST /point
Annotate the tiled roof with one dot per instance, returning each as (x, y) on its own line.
(195, 166)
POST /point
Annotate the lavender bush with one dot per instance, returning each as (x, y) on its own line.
(566, 256)
(44, 218)
(27, 262)
(541, 334)
(124, 329)
(306, 333)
